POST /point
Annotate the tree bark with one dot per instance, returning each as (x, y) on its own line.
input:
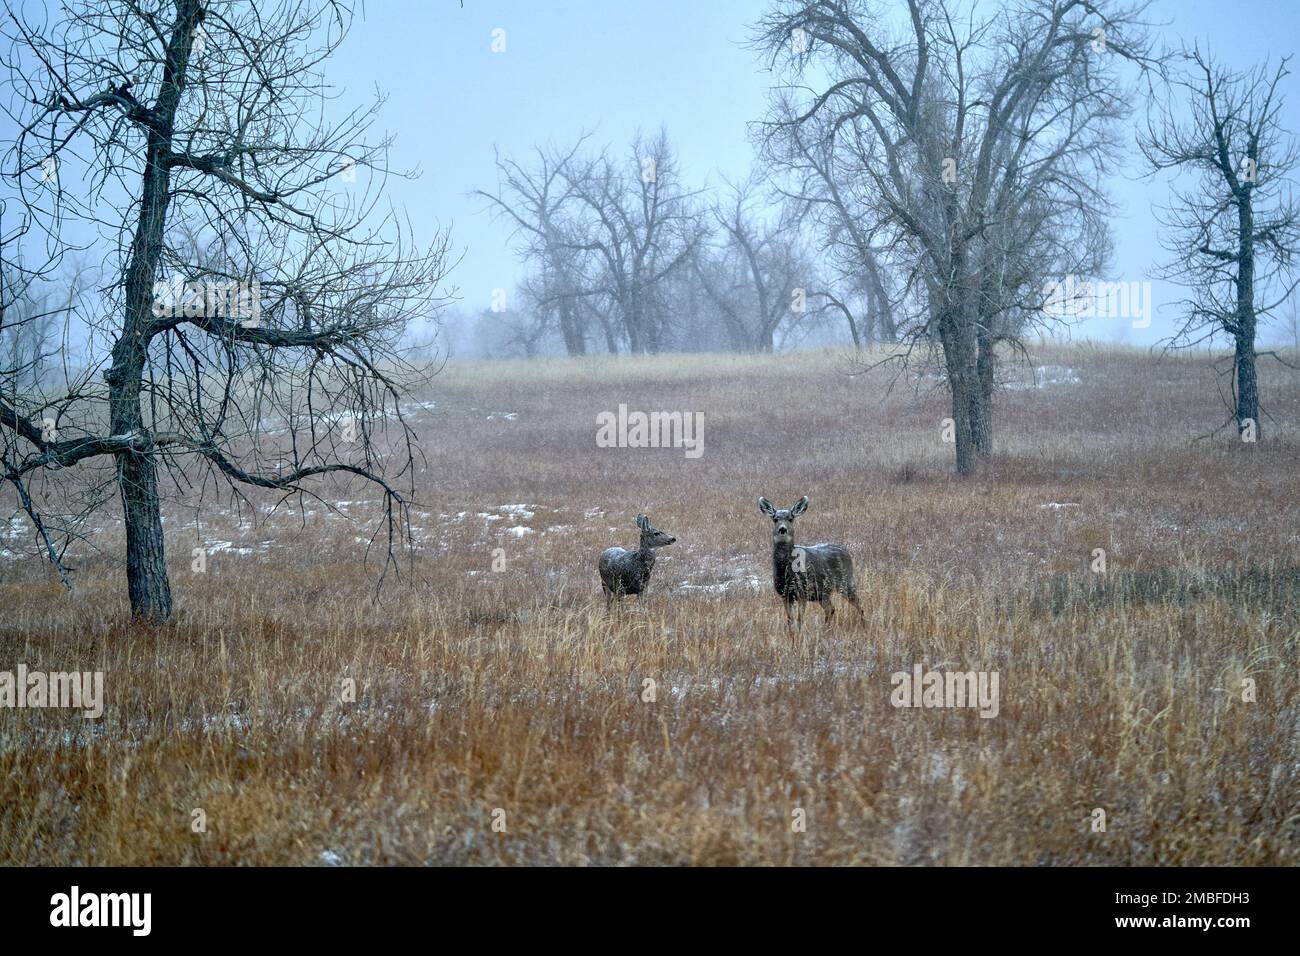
(1244, 333)
(959, 351)
(886, 331)
(574, 341)
(1247, 386)
(632, 317)
(982, 414)
(868, 331)
(611, 337)
(137, 480)
(146, 566)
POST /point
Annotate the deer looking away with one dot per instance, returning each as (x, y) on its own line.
(628, 572)
(809, 573)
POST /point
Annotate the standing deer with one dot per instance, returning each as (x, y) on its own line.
(628, 572)
(808, 573)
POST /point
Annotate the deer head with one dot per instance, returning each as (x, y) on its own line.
(783, 519)
(652, 537)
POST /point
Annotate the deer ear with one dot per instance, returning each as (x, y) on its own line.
(800, 507)
(642, 522)
(765, 506)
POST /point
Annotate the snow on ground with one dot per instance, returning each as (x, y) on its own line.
(749, 583)
(1019, 380)
(213, 546)
(1045, 375)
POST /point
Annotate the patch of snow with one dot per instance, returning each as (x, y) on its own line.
(419, 406)
(231, 721)
(750, 583)
(215, 547)
(1045, 375)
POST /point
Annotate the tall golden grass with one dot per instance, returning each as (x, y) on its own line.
(510, 697)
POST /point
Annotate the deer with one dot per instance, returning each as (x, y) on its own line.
(628, 572)
(808, 573)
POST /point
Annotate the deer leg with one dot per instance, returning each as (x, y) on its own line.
(789, 615)
(828, 609)
(852, 597)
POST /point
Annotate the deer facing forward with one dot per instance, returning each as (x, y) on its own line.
(808, 573)
(628, 572)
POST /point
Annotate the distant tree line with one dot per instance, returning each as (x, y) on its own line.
(624, 256)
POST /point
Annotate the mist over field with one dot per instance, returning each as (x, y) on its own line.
(800, 433)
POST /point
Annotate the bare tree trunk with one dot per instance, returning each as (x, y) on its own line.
(982, 416)
(868, 332)
(1247, 384)
(146, 565)
(636, 344)
(960, 360)
(611, 337)
(853, 328)
(886, 330)
(571, 329)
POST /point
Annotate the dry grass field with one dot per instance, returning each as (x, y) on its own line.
(510, 696)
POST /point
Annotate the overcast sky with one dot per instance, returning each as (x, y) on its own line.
(613, 68)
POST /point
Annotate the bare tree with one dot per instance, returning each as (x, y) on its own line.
(949, 126)
(30, 326)
(762, 275)
(255, 298)
(1291, 322)
(639, 224)
(1235, 232)
(822, 178)
(539, 204)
